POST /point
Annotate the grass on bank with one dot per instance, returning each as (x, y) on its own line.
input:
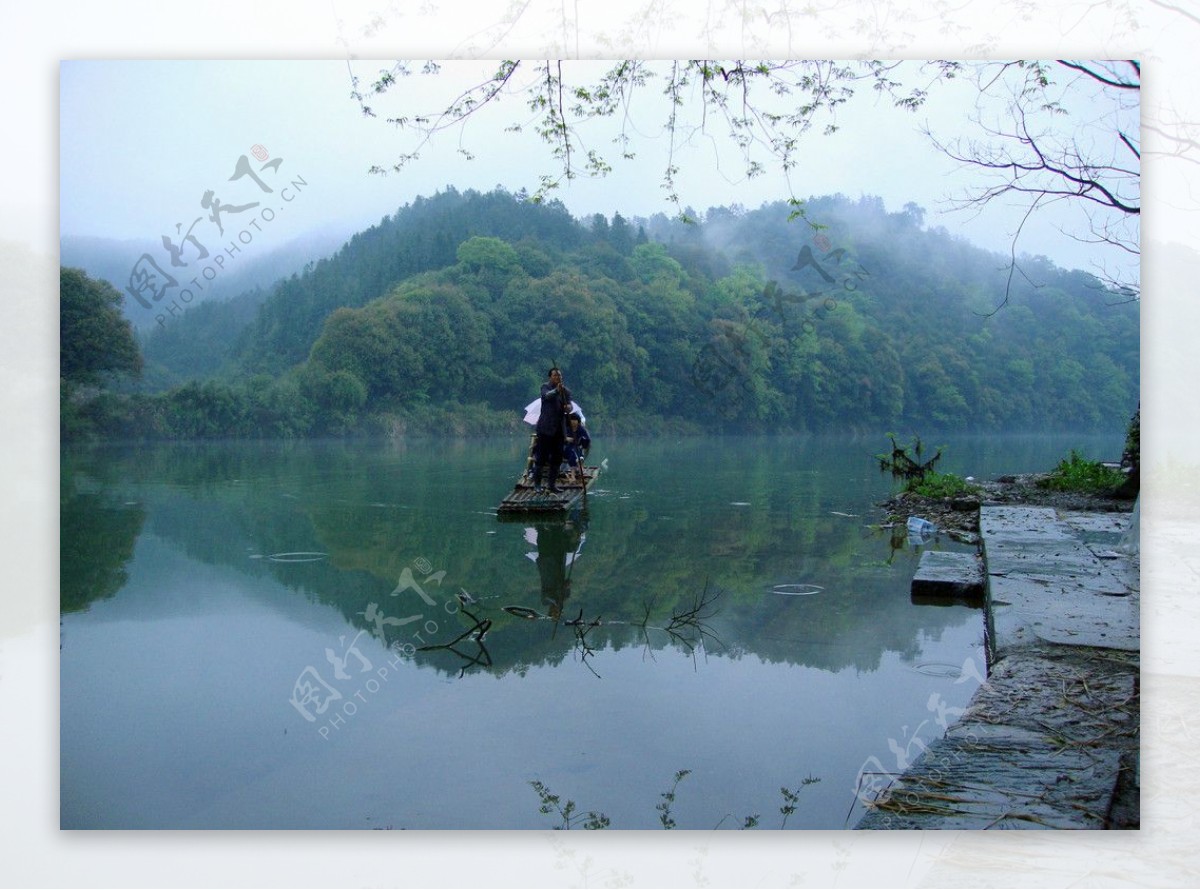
(941, 485)
(1076, 473)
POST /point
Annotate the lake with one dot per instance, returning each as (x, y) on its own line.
(344, 635)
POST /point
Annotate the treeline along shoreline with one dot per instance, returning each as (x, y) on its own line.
(443, 318)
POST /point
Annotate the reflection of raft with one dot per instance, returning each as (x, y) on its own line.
(524, 500)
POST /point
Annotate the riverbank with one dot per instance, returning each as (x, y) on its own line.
(1051, 738)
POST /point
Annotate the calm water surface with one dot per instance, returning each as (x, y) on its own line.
(274, 635)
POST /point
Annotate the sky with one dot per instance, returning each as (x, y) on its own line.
(142, 142)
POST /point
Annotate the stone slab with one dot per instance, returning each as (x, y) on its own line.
(949, 575)
(1053, 579)
(1045, 744)
(1005, 779)
(1051, 738)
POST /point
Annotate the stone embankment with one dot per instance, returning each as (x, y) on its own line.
(1050, 739)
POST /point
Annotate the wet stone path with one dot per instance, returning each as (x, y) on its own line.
(1050, 740)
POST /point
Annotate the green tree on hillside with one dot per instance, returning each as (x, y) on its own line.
(96, 344)
(94, 337)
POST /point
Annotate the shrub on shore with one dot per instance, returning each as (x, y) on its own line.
(1076, 473)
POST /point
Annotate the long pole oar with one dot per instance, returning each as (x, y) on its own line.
(583, 475)
(530, 459)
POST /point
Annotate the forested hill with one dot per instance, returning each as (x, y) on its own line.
(420, 237)
(446, 315)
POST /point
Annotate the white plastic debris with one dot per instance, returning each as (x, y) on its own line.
(919, 526)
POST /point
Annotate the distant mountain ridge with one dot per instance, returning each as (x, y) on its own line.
(113, 260)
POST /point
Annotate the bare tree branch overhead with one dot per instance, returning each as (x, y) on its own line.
(1044, 132)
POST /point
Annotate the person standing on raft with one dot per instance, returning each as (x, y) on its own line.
(551, 433)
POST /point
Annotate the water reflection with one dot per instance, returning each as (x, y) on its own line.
(559, 543)
(468, 645)
(97, 533)
(670, 590)
(342, 525)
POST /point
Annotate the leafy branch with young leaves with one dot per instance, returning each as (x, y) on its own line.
(1045, 132)
(668, 800)
(763, 108)
(566, 811)
(569, 816)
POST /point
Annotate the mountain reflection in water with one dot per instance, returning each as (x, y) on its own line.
(720, 607)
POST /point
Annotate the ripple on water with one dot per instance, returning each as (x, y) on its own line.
(796, 589)
(939, 669)
(298, 556)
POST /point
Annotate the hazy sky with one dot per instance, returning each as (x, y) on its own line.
(142, 142)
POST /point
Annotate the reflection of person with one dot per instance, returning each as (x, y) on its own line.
(556, 541)
(578, 443)
(556, 404)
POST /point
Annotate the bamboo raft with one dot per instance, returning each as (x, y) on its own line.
(525, 500)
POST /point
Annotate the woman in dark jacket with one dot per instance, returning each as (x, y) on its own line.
(578, 443)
